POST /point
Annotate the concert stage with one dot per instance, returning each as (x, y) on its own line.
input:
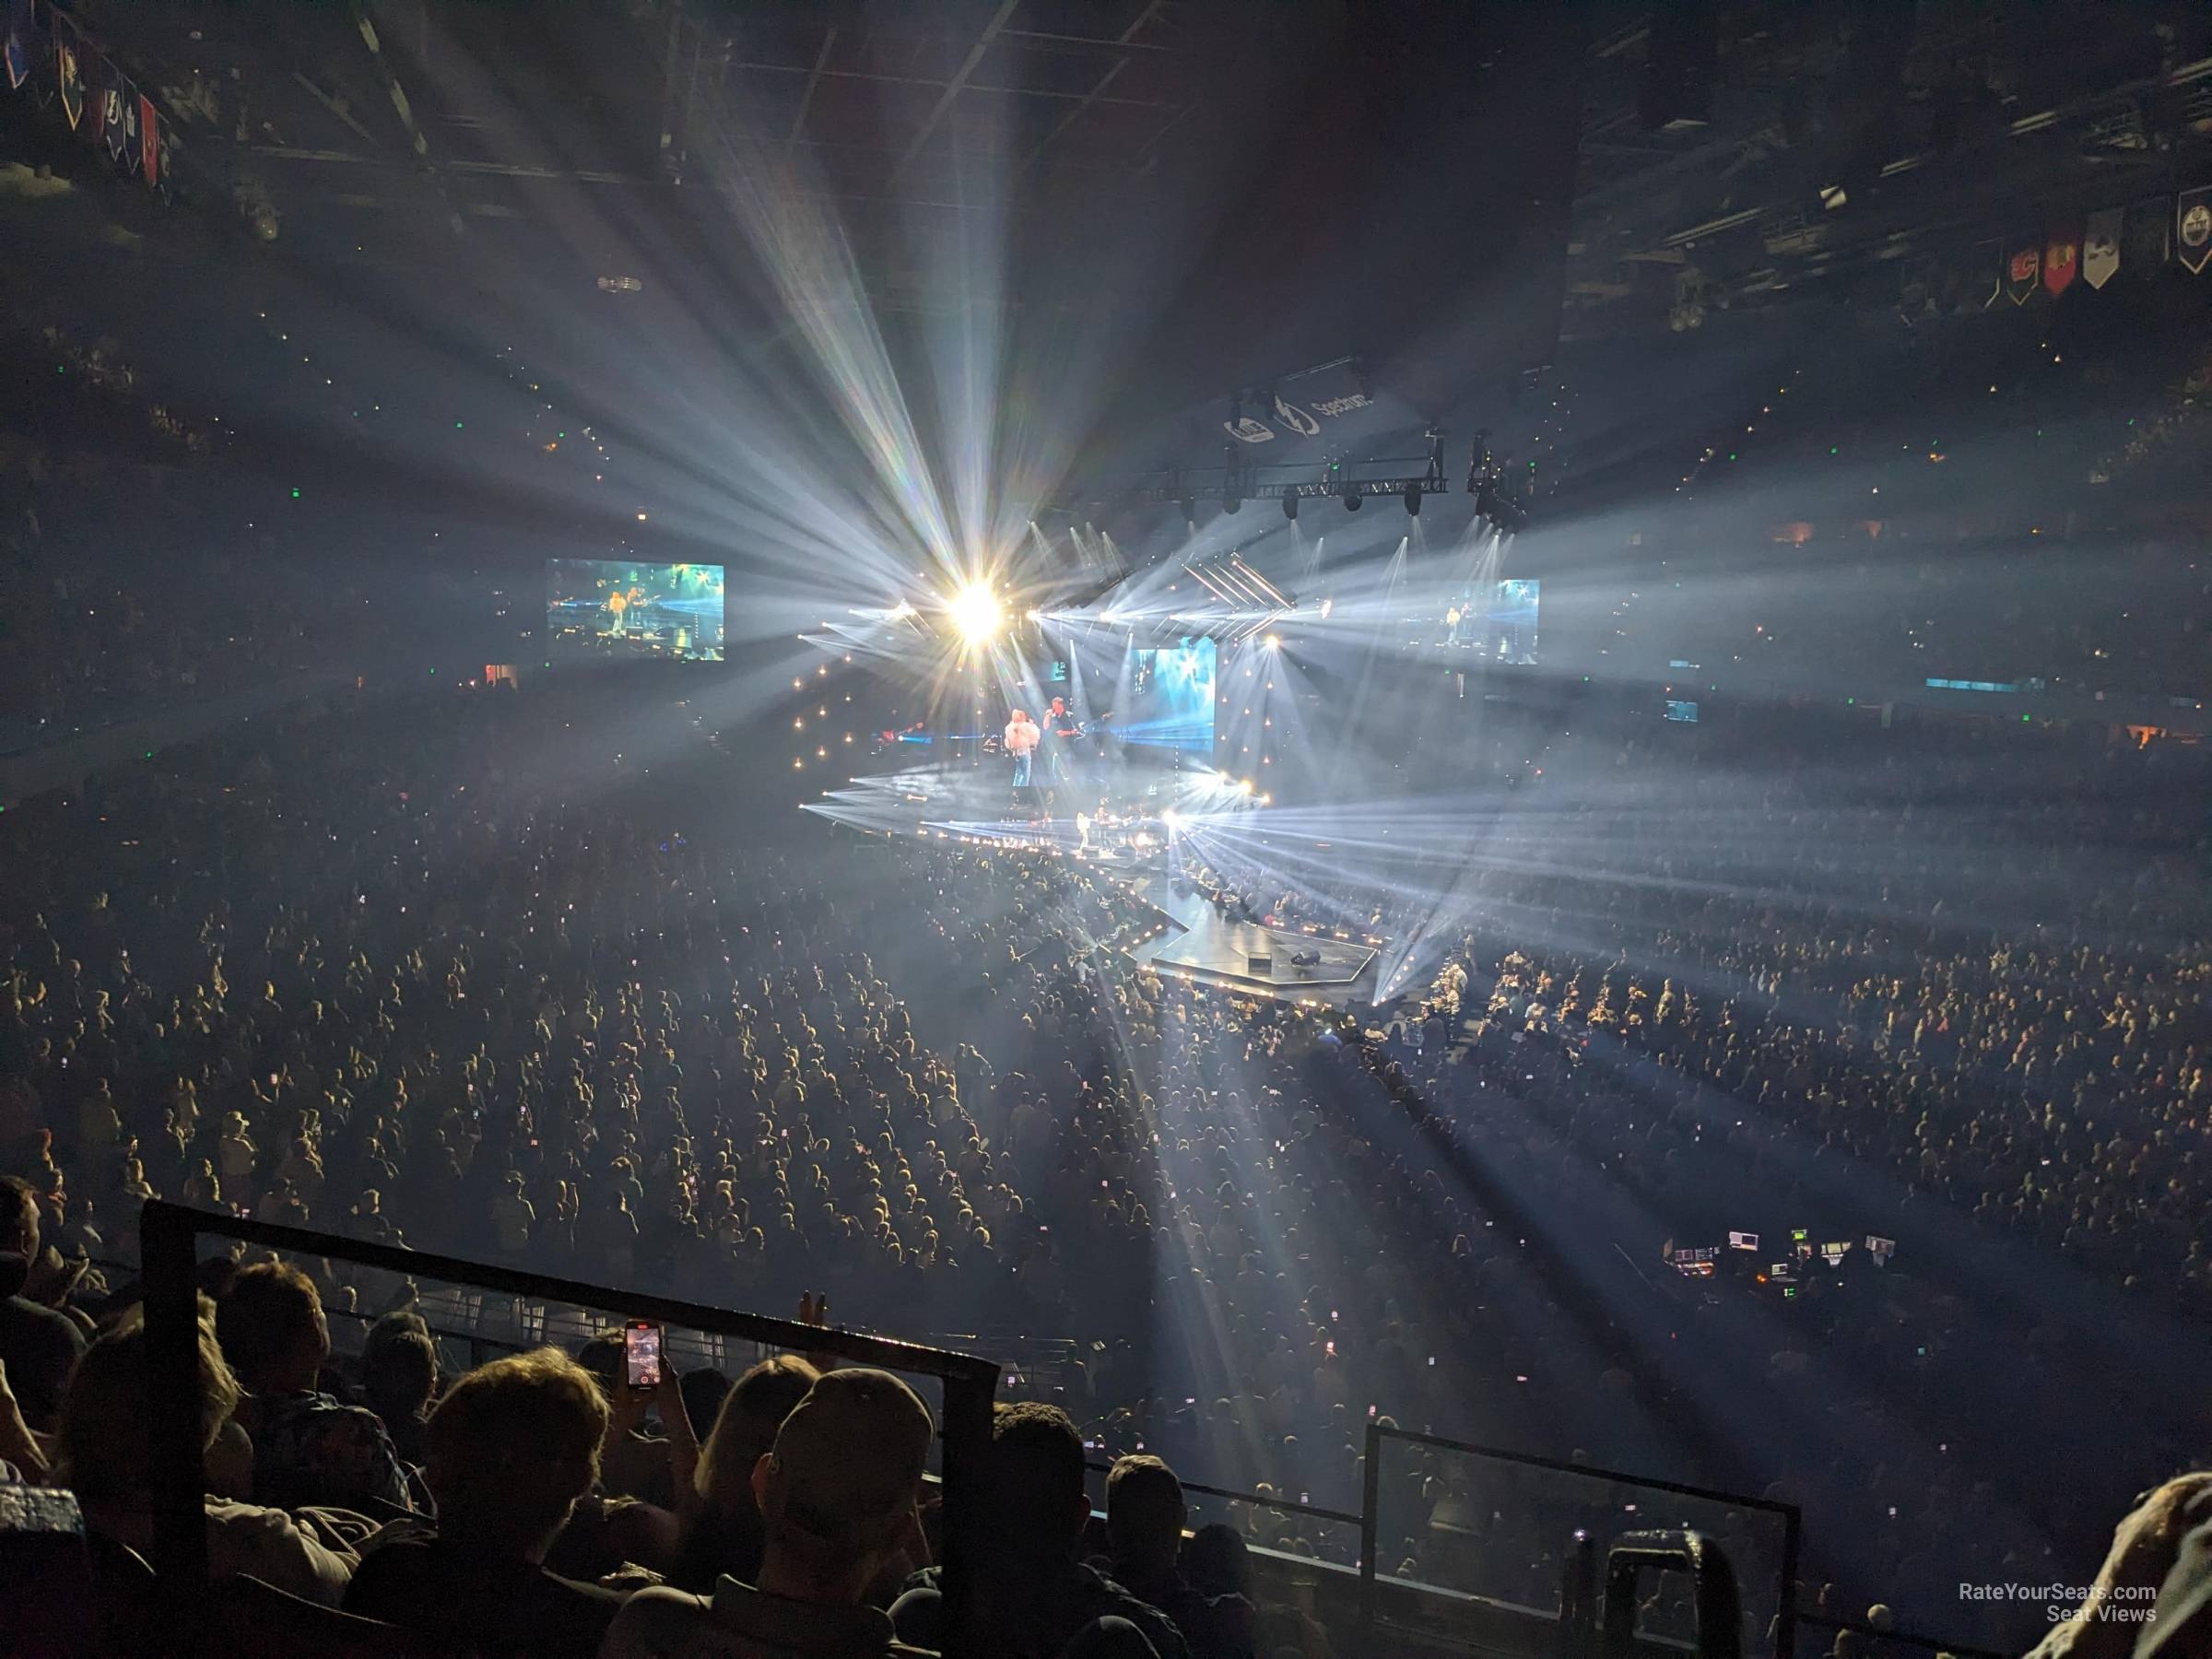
(1123, 830)
(1202, 945)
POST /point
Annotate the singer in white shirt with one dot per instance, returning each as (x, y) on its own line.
(1023, 735)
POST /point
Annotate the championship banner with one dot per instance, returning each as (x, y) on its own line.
(2062, 260)
(2193, 228)
(127, 156)
(166, 161)
(2101, 247)
(1989, 274)
(69, 72)
(111, 110)
(2143, 239)
(2020, 272)
(149, 141)
(22, 34)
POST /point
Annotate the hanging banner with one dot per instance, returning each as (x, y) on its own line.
(2144, 239)
(2020, 272)
(166, 161)
(20, 49)
(111, 110)
(2101, 247)
(127, 156)
(69, 72)
(149, 141)
(2193, 228)
(2062, 260)
(1989, 274)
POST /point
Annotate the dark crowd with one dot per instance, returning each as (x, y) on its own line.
(548, 976)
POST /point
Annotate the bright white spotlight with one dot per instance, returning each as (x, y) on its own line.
(977, 613)
(1172, 819)
(1244, 786)
(1275, 641)
(904, 608)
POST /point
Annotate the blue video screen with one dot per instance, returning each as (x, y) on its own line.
(1494, 623)
(622, 608)
(1171, 701)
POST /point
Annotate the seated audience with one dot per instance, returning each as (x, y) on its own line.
(720, 1528)
(107, 1459)
(1039, 1600)
(1218, 1565)
(399, 1375)
(836, 1494)
(512, 1446)
(307, 1446)
(1144, 1520)
(37, 1344)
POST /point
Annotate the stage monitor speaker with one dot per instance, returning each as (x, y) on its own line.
(1262, 967)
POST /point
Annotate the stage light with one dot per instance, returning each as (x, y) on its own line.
(903, 610)
(1290, 507)
(1351, 498)
(1327, 606)
(1245, 786)
(1275, 641)
(977, 613)
(1413, 500)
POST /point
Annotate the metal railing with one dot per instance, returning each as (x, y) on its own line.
(168, 1253)
(168, 1233)
(1786, 1515)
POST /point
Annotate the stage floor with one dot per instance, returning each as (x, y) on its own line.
(1201, 944)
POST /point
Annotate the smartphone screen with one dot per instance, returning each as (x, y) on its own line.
(641, 1354)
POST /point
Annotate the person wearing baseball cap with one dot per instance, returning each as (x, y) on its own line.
(837, 1499)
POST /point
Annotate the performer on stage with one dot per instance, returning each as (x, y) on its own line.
(1023, 735)
(1060, 730)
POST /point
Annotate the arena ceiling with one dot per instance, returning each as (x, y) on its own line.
(1745, 155)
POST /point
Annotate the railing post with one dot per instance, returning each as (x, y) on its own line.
(172, 1409)
(1577, 1600)
(1371, 1524)
(1785, 1607)
(967, 1517)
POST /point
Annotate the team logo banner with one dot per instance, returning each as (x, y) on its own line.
(70, 73)
(2061, 261)
(110, 114)
(2022, 270)
(2101, 247)
(22, 33)
(1987, 280)
(2193, 228)
(149, 141)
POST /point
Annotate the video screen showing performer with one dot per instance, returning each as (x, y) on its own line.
(1022, 736)
(1171, 696)
(1062, 732)
(629, 609)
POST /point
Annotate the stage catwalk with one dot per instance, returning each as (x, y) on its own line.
(1201, 944)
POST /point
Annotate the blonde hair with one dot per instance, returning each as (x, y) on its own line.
(514, 1444)
(746, 1426)
(105, 1449)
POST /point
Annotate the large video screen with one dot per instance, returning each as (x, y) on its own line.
(618, 607)
(1171, 701)
(1497, 625)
